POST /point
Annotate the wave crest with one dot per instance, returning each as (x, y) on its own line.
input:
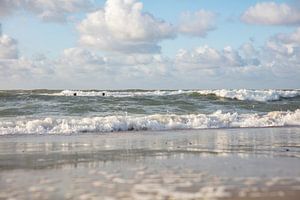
(152, 122)
(239, 94)
(121, 93)
(252, 95)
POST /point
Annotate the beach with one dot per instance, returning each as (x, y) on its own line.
(149, 100)
(239, 163)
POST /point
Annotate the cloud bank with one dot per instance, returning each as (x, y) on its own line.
(278, 61)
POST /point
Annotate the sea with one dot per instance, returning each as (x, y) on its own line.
(105, 111)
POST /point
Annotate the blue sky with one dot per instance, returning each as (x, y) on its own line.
(154, 46)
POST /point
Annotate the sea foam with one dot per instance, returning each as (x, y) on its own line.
(120, 93)
(239, 94)
(252, 95)
(157, 122)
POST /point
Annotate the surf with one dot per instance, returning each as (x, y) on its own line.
(157, 122)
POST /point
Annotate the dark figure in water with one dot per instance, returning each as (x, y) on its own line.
(75, 94)
(103, 94)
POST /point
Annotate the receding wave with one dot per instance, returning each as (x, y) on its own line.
(238, 94)
(151, 122)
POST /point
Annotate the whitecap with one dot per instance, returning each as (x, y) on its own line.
(156, 122)
(252, 95)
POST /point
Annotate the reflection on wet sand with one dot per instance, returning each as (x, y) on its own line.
(44, 151)
(202, 164)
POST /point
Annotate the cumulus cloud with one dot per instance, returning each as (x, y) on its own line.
(271, 13)
(284, 54)
(249, 50)
(203, 66)
(198, 23)
(122, 26)
(292, 38)
(209, 67)
(77, 62)
(276, 64)
(8, 47)
(206, 57)
(24, 71)
(47, 10)
(250, 54)
(111, 71)
(77, 67)
(81, 56)
(14, 68)
(285, 44)
(57, 10)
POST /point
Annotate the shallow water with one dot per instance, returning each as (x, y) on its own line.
(239, 163)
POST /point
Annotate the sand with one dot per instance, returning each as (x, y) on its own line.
(258, 163)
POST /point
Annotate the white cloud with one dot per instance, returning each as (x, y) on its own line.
(248, 50)
(270, 13)
(284, 54)
(278, 62)
(292, 38)
(250, 54)
(81, 56)
(197, 23)
(8, 47)
(8, 6)
(212, 68)
(208, 58)
(17, 70)
(122, 26)
(285, 44)
(23, 71)
(77, 62)
(46, 10)
(200, 67)
(57, 10)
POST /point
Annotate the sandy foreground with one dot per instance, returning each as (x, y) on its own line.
(259, 163)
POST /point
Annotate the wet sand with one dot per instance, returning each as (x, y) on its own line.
(259, 163)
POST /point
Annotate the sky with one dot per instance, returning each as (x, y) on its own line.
(149, 44)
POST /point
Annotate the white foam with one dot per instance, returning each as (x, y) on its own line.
(240, 94)
(120, 93)
(152, 122)
(253, 95)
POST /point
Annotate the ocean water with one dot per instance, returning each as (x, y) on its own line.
(60, 112)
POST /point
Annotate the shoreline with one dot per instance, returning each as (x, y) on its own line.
(143, 132)
(250, 163)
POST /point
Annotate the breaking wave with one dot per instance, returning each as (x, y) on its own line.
(253, 95)
(152, 122)
(121, 93)
(238, 94)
